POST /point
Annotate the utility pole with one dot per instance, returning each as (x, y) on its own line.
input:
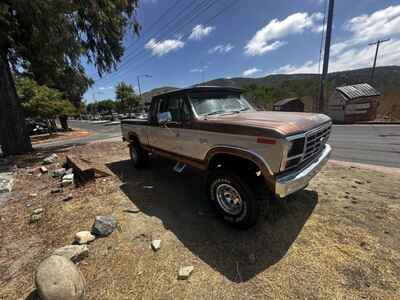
(326, 55)
(377, 43)
(138, 82)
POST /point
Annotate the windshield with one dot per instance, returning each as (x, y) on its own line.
(219, 103)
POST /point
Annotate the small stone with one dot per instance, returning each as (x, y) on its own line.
(33, 195)
(84, 237)
(67, 179)
(57, 278)
(59, 172)
(252, 258)
(37, 211)
(57, 190)
(73, 252)
(156, 245)
(185, 272)
(358, 181)
(354, 186)
(104, 225)
(148, 187)
(68, 198)
(50, 159)
(35, 218)
(43, 169)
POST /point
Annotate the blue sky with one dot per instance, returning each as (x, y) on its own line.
(202, 39)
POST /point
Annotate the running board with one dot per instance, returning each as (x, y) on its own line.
(179, 167)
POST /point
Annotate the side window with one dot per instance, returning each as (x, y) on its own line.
(176, 105)
(174, 108)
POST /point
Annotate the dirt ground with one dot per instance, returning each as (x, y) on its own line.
(338, 239)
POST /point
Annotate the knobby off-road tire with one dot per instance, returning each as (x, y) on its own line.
(233, 197)
(139, 157)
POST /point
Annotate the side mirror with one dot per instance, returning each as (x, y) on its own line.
(164, 118)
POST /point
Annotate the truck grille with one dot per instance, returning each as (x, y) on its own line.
(315, 142)
(307, 147)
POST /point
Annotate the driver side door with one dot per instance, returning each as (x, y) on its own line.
(164, 137)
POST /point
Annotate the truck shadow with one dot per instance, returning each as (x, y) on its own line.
(179, 201)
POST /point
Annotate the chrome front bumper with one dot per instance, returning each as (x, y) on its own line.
(287, 184)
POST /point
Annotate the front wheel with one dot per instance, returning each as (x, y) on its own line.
(233, 197)
(139, 157)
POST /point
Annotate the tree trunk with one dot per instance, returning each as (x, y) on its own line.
(64, 122)
(14, 137)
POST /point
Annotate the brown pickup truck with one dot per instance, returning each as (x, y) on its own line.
(216, 129)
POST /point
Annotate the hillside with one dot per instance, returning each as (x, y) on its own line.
(264, 91)
(385, 77)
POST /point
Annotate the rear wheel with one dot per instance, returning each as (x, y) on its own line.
(139, 157)
(233, 197)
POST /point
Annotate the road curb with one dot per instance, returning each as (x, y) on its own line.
(383, 169)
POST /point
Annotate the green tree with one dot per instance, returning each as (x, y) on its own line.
(40, 101)
(45, 36)
(125, 95)
(106, 106)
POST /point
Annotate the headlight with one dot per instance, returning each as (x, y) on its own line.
(296, 147)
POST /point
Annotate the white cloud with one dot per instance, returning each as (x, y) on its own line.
(221, 49)
(102, 88)
(199, 70)
(355, 53)
(268, 37)
(369, 28)
(353, 58)
(200, 31)
(382, 23)
(251, 71)
(160, 48)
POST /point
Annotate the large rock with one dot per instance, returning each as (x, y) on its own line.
(73, 252)
(104, 225)
(57, 278)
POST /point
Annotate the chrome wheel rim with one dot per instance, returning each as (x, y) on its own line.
(229, 199)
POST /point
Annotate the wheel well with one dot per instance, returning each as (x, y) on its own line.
(133, 138)
(233, 162)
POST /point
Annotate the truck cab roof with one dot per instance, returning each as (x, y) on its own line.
(197, 89)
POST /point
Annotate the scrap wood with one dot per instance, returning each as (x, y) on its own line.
(84, 169)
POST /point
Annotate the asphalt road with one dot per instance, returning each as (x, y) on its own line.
(369, 144)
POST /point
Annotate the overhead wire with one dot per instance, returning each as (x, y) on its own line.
(150, 56)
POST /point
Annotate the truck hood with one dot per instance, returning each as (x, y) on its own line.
(286, 123)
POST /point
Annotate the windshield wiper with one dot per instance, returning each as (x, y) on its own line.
(240, 110)
(215, 112)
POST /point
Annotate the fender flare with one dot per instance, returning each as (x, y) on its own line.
(245, 154)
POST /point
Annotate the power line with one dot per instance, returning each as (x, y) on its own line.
(150, 56)
(159, 35)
